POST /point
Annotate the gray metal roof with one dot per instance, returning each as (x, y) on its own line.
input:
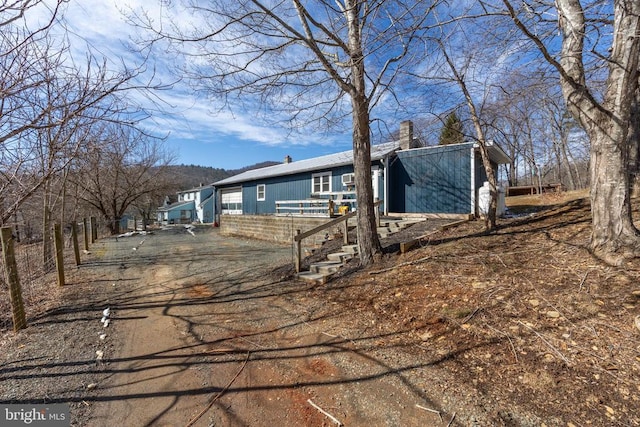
(317, 163)
(198, 188)
(175, 205)
(497, 154)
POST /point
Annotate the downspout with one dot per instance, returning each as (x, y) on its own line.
(386, 185)
(473, 180)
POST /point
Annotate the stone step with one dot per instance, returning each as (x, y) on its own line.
(325, 267)
(314, 278)
(340, 256)
(350, 249)
(321, 272)
(389, 230)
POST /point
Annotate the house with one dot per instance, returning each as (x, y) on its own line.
(442, 180)
(193, 205)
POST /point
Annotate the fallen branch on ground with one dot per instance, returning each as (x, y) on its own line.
(513, 348)
(325, 413)
(430, 410)
(220, 393)
(555, 350)
(451, 421)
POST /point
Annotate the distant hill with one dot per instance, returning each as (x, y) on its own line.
(190, 176)
(256, 166)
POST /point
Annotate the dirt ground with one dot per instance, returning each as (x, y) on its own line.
(521, 327)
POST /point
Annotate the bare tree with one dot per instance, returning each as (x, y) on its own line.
(607, 35)
(566, 143)
(300, 60)
(47, 101)
(119, 167)
(458, 77)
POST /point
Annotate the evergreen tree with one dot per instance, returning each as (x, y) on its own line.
(451, 131)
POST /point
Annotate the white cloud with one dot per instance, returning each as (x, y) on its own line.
(102, 28)
(191, 118)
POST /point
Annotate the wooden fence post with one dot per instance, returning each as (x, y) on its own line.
(74, 240)
(298, 251)
(85, 231)
(94, 230)
(59, 248)
(11, 272)
(345, 232)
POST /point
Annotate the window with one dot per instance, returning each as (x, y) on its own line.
(321, 183)
(262, 192)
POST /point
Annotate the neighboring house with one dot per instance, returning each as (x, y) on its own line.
(193, 205)
(429, 180)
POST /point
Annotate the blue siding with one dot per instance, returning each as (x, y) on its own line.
(174, 213)
(481, 175)
(206, 192)
(425, 180)
(288, 187)
(432, 180)
(208, 213)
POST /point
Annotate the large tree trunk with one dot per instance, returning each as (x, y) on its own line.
(613, 236)
(608, 124)
(368, 241)
(634, 147)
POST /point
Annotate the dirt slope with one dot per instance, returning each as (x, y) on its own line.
(542, 331)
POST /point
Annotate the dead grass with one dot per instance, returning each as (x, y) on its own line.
(526, 314)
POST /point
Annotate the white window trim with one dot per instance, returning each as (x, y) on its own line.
(264, 192)
(320, 175)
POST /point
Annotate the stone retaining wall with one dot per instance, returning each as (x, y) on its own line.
(279, 229)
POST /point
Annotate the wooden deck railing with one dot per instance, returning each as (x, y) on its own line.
(314, 207)
(310, 207)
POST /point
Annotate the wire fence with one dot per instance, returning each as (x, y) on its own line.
(37, 274)
(36, 281)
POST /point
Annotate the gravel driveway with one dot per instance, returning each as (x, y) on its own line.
(203, 332)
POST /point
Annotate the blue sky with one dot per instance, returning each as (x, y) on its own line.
(199, 132)
(196, 133)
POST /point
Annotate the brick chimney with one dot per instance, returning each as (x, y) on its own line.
(287, 159)
(406, 135)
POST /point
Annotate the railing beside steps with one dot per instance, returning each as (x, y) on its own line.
(344, 219)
